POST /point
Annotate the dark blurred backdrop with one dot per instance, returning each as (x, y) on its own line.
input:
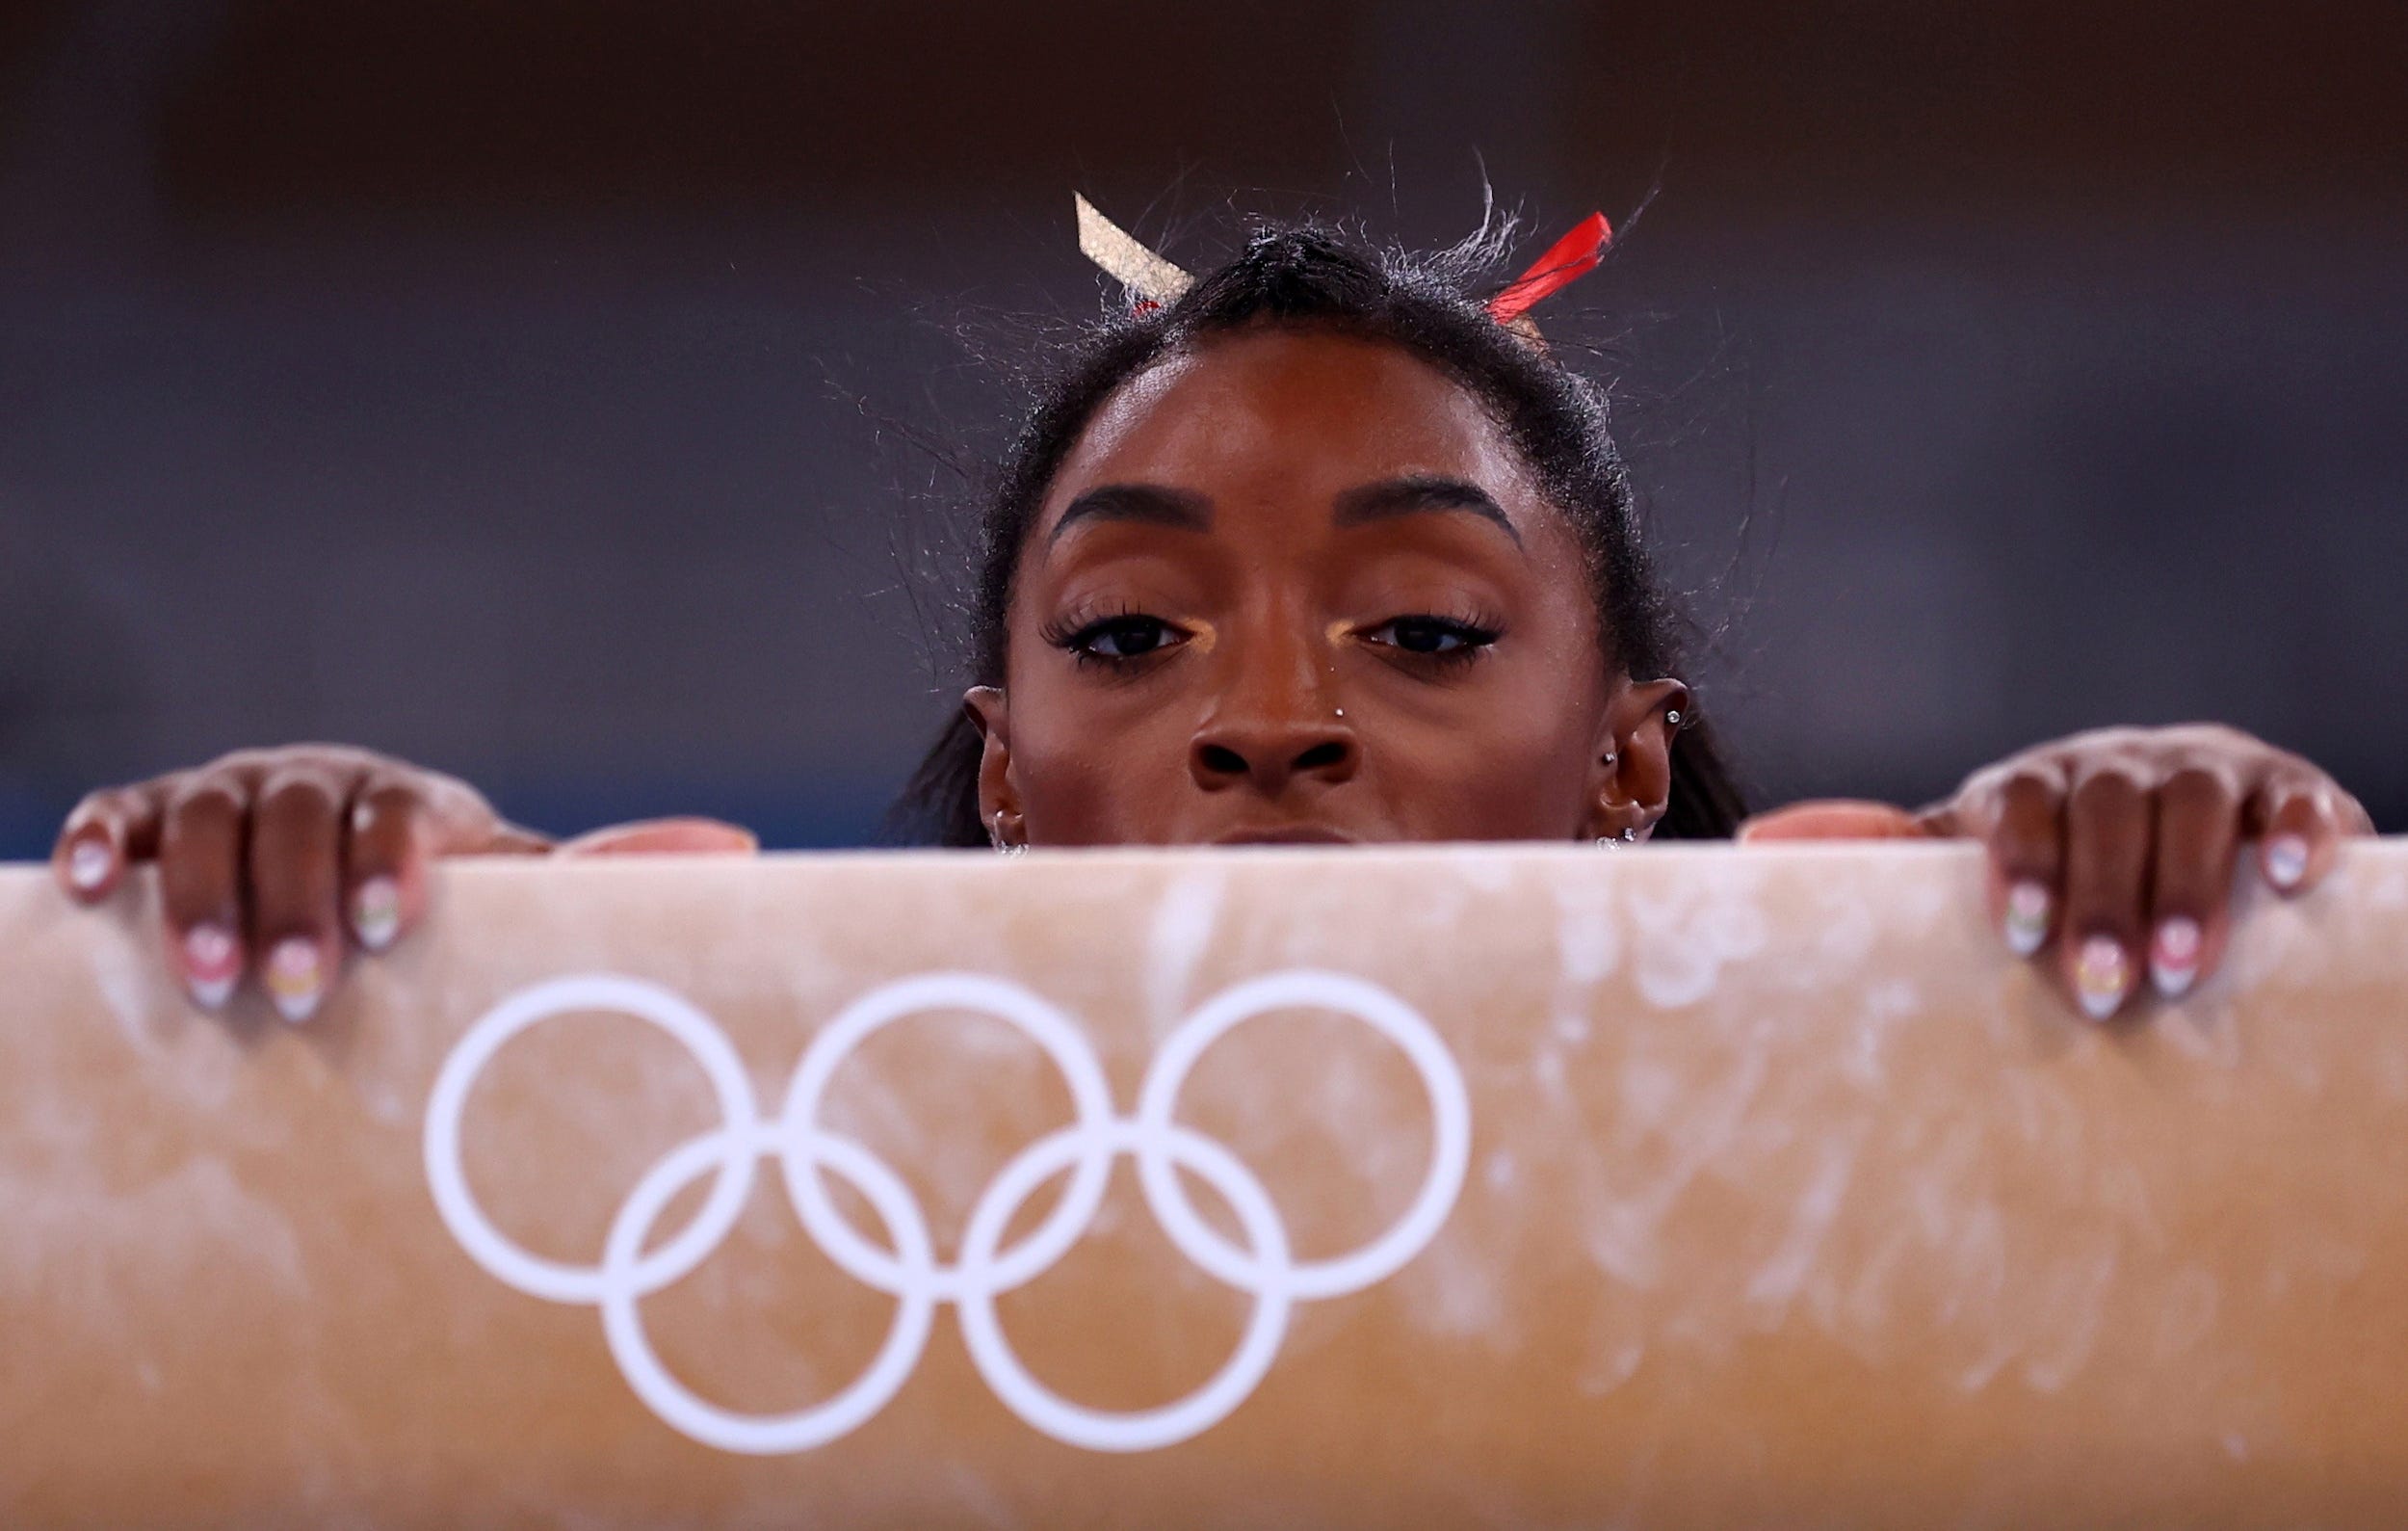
(542, 390)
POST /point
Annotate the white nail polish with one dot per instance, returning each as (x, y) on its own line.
(292, 979)
(88, 863)
(2026, 923)
(212, 963)
(2101, 976)
(376, 913)
(2174, 956)
(2286, 860)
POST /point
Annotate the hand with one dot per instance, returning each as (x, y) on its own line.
(2115, 849)
(273, 861)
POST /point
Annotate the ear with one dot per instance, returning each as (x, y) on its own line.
(991, 710)
(1631, 768)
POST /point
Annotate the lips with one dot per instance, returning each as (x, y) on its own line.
(1288, 835)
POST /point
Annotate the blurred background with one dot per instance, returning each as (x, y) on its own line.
(566, 393)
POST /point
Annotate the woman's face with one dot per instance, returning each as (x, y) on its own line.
(1295, 586)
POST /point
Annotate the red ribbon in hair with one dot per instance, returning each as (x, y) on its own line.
(1566, 261)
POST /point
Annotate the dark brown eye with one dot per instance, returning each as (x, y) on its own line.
(1434, 636)
(1123, 638)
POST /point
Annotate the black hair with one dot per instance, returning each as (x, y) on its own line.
(1315, 277)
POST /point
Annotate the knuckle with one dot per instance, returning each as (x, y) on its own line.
(2198, 789)
(298, 791)
(2226, 739)
(206, 802)
(2028, 789)
(388, 797)
(2106, 789)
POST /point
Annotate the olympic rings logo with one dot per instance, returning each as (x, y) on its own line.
(910, 1270)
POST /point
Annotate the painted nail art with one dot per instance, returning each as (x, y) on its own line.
(2101, 976)
(293, 978)
(2286, 860)
(376, 913)
(88, 863)
(2174, 956)
(212, 962)
(2026, 917)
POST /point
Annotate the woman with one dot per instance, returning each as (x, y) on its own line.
(1322, 550)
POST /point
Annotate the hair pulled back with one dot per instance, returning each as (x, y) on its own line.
(1429, 304)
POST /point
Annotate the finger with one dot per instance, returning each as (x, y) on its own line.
(506, 839)
(2021, 822)
(201, 883)
(2300, 820)
(293, 872)
(2190, 881)
(2108, 828)
(666, 838)
(107, 832)
(1833, 819)
(384, 861)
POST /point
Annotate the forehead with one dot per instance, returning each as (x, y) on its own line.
(1289, 410)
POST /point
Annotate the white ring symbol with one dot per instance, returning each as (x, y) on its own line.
(910, 1272)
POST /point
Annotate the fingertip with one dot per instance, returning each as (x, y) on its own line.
(2285, 858)
(1834, 819)
(666, 838)
(2299, 834)
(2026, 915)
(2177, 956)
(209, 959)
(2102, 976)
(296, 973)
(376, 912)
(86, 862)
(2299, 847)
(384, 861)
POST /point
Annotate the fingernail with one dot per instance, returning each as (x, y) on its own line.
(212, 962)
(2174, 956)
(2026, 917)
(376, 913)
(88, 863)
(2102, 976)
(293, 978)
(2286, 860)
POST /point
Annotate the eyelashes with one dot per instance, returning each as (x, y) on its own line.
(1126, 639)
(1118, 639)
(1445, 641)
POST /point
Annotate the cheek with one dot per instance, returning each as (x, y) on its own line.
(1507, 756)
(1511, 765)
(1095, 765)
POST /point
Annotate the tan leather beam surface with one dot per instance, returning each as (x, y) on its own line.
(1425, 1186)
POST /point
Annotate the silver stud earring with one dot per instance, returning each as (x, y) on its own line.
(995, 832)
(1672, 717)
(1615, 842)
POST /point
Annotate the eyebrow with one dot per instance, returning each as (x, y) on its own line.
(1418, 493)
(1183, 509)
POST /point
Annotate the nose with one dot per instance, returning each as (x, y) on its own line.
(1270, 756)
(1275, 727)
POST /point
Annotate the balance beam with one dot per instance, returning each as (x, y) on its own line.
(1451, 1186)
